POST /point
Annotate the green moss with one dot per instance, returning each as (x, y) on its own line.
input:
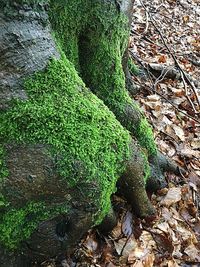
(94, 38)
(3, 168)
(133, 68)
(29, 2)
(63, 113)
(18, 224)
(68, 19)
(91, 145)
(145, 136)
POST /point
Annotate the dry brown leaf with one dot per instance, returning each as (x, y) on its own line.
(195, 144)
(192, 252)
(153, 98)
(91, 243)
(163, 242)
(124, 246)
(137, 253)
(185, 150)
(162, 59)
(177, 92)
(179, 132)
(117, 230)
(172, 263)
(164, 227)
(177, 251)
(172, 197)
(185, 234)
(138, 263)
(186, 19)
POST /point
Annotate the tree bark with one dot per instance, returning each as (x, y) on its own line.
(62, 150)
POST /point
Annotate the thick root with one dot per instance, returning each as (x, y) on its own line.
(108, 223)
(160, 164)
(132, 184)
(166, 164)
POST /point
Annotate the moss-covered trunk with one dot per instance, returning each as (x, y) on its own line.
(62, 149)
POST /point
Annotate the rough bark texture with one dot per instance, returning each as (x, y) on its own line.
(62, 150)
(26, 47)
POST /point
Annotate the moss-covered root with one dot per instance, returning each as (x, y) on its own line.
(132, 184)
(100, 55)
(94, 36)
(160, 164)
(70, 151)
(166, 164)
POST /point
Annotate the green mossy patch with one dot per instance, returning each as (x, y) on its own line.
(63, 113)
(146, 140)
(94, 38)
(21, 2)
(133, 68)
(18, 224)
(3, 168)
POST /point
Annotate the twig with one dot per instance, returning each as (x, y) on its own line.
(173, 56)
(161, 77)
(186, 94)
(194, 62)
(172, 72)
(148, 88)
(152, 89)
(178, 65)
(147, 22)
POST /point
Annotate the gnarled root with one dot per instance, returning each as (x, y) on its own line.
(108, 223)
(132, 184)
(160, 164)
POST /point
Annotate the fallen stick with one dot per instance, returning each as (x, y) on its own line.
(169, 72)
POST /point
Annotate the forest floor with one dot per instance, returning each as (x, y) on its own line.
(165, 46)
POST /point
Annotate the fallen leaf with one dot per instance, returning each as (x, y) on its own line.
(186, 19)
(117, 230)
(172, 263)
(163, 242)
(179, 132)
(185, 150)
(172, 197)
(195, 144)
(138, 263)
(91, 243)
(124, 246)
(192, 252)
(162, 59)
(164, 227)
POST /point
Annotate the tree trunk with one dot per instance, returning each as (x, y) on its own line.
(62, 149)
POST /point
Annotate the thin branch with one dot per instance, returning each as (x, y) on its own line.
(148, 88)
(147, 22)
(173, 56)
(161, 77)
(186, 94)
(152, 89)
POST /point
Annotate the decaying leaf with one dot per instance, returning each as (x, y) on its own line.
(192, 252)
(179, 132)
(125, 245)
(172, 197)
